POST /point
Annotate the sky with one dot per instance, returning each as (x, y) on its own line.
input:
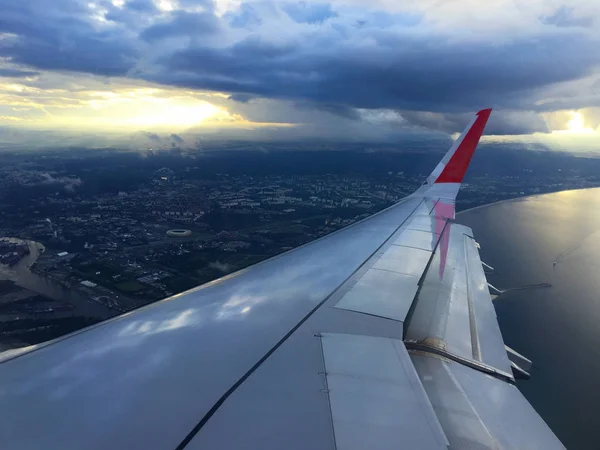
(341, 69)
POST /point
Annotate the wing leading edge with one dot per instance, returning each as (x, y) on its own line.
(381, 335)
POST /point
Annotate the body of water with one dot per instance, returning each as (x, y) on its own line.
(553, 238)
(22, 276)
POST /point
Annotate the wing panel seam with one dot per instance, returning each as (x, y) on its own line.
(413, 305)
(421, 388)
(460, 387)
(320, 337)
(481, 367)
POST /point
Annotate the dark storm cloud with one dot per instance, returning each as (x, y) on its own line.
(98, 58)
(337, 110)
(421, 74)
(61, 36)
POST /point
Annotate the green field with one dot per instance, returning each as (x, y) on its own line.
(131, 286)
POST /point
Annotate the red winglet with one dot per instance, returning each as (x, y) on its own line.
(454, 171)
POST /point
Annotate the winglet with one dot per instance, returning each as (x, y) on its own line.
(453, 166)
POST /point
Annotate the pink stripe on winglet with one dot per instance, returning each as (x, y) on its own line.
(454, 171)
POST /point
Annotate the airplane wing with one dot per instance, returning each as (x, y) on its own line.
(379, 336)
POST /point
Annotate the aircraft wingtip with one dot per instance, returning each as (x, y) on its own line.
(454, 169)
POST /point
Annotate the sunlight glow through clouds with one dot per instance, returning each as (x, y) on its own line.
(131, 65)
(568, 132)
(142, 108)
(225, 6)
(11, 118)
(166, 5)
(576, 125)
(159, 109)
(178, 115)
(91, 104)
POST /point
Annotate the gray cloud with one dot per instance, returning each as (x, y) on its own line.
(16, 73)
(62, 36)
(500, 122)
(34, 178)
(221, 267)
(182, 23)
(247, 17)
(564, 17)
(133, 14)
(344, 111)
(141, 6)
(151, 136)
(68, 183)
(242, 98)
(177, 139)
(303, 12)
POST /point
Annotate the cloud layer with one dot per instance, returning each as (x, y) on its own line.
(423, 64)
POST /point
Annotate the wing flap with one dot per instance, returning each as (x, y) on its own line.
(405, 260)
(388, 288)
(477, 411)
(381, 293)
(377, 400)
(491, 349)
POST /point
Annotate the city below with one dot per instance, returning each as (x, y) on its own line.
(90, 234)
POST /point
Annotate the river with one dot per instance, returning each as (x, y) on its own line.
(22, 276)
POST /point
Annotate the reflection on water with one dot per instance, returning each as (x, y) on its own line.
(555, 239)
(21, 275)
